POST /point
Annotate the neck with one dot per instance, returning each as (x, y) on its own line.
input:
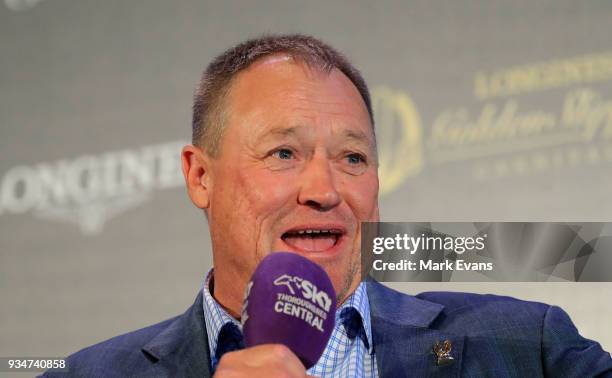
(227, 299)
(346, 292)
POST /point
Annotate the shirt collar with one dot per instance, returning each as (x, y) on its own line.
(216, 317)
(359, 301)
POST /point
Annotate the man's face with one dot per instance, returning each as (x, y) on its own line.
(296, 172)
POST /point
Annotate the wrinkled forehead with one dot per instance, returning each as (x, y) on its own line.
(278, 89)
(285, 74)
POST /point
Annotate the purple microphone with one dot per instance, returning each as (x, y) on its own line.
(290, 300)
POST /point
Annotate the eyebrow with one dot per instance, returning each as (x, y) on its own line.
(356, 135)
(282, 131)
(279, 131)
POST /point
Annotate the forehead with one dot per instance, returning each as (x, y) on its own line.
(277, 89)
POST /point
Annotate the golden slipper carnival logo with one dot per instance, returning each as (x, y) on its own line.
(513, 129)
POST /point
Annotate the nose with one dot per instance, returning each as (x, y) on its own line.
(317, 187)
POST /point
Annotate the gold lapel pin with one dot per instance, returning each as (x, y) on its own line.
(442, 351)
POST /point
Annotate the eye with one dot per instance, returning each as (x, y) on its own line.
(355, 159)
(353, 163)
(283, 154)
(282, 158)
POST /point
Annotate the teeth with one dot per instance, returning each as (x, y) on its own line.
(317, 232)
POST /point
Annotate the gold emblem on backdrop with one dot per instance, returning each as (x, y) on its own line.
(399, 136)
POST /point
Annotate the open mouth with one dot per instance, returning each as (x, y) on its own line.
(312, 239)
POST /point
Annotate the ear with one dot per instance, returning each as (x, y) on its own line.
(196, 170)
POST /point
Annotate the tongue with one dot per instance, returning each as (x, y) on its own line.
(310, 243)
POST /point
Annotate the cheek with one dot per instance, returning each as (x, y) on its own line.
(268, 187)
(268, 197)
(264, 194)
(362, 195)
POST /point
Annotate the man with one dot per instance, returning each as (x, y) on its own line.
(284, 159)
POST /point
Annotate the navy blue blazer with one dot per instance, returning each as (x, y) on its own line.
(491, 336)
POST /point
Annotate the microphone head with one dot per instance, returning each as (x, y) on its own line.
(290, 300)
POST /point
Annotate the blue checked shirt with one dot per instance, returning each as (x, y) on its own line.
(349, 352)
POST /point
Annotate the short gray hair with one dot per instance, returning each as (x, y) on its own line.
(208, 109)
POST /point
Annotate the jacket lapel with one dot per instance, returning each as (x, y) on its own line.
(403, 337)
(182, 348)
